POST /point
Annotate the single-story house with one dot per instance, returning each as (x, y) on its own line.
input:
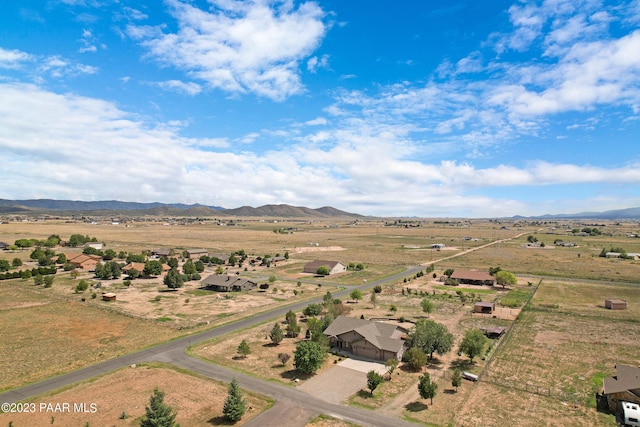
(222, 257)
(162, 252)
(333, 266)
(484, 307)
(137, 265)
(196, 253)
(615, 304)
(493, 331)
(4, 246)
(366, 338)
(473, 277)
(85, 262)
(109, 296)
(226, 283)
(623, 387)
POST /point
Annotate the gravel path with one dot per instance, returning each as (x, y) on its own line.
(336, 384)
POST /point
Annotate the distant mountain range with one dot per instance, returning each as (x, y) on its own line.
(164, 209)
(629, 213)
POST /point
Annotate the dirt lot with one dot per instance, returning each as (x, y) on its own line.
(197, 401)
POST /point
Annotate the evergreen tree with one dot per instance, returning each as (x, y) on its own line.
(276, 334)
(235, 406)
(243, 349)
(158, 414)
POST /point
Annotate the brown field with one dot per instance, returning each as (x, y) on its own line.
(197, 401)
(546, 371)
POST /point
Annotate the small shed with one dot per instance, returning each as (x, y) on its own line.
(484, 307)
(109, 296)
(493, 331)
(615, 304)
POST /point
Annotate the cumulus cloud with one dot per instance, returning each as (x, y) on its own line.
(239, 47)
(13, 58)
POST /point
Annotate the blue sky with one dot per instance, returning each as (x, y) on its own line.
(438, 108)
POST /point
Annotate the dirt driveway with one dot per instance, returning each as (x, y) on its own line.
(341, 381)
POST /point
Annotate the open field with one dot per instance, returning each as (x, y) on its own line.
(547, 370)
(562, 345)
(197, 401)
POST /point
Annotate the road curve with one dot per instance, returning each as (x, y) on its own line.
(174, 352)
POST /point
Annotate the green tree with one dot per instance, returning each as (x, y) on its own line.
(173, 279)
(505, 278)
(82, 286)
(234, 406)
(327, 299)
(308, 356)
(62, 259)
(199, 266)
(4, 265)
(219, 270)
(456, 379)
(532, 239)
(312, 310)
(243, 349)
(473, 343)
(158, 413)
(323, 270)
(427, 388)
(272, 278)
(276, 334)
(374, 379)
(136, 258)
(393, 308)
(356, 295)
(373, 298)
(38, 280)
(152, 268)
(293, 329)
(189, 267)
(286, 255)
(48, 281)
(448, 272)
(232, 260)
(430, 337)
(133, 274)
(17, 262)
(427, 305)
(109, 254)
(23, 243)
(416, 358)
(173, 262)
(391, 365)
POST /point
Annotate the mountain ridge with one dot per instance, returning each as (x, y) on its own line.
(174, 209)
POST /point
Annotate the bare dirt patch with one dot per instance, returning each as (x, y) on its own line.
(197, 401)
(302, 250)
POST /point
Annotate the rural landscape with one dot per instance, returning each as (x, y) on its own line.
(321, 318)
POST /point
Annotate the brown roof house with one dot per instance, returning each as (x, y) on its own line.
(226, 283)
(623, 387)
(366, 338)
(85, 262)
(333, 266)
(196, 253)
(473, 277)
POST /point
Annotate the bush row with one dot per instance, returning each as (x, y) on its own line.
(26, 274)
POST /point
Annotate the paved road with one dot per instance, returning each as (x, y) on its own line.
(174, 352)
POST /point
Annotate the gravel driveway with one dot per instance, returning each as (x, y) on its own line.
(341, 381)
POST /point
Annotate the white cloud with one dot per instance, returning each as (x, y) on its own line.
(315, 63)
(239, 47)
(318, 121)
(189, 88)
(12, 59)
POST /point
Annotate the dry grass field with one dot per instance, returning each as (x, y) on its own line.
(554, 360)
(197, 401)
(546, 371)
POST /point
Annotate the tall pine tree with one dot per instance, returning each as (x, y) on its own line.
(158, 414)
(235, 406)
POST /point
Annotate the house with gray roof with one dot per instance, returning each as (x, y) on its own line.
(623, 387)
(333, 266)
(366, 338)
(226, 283)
